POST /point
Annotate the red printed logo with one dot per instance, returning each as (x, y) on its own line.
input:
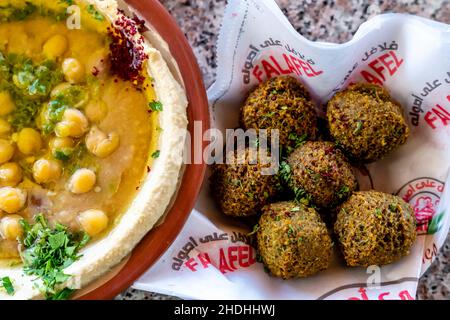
(382, 67)
(224, 251)
(424, 196)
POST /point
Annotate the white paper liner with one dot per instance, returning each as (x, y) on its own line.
(409, 56)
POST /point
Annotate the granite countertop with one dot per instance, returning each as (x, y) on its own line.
(334, 21)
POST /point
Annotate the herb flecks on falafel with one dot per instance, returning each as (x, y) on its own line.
(322, 172)
(293, 241)
(281, 103)
(375, 228)
(240, 188)
(366, 122)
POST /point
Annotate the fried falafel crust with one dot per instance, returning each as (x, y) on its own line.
(366, 122)
(240, 189)
(375, 228)
(293, 241)
(281, 103)
(323, 172)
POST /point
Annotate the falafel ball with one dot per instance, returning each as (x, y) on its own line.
(293, 241)
(366, 122)
(281, 103)
(375, 228)
(240, 188)
(322, 171)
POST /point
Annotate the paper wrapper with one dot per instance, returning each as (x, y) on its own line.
(212, 258)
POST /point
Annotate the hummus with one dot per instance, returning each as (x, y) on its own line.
(92, 130)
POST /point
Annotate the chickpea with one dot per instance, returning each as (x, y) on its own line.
(96, 111)
(55, 47)
(82, 181)
(6, 151)
(45, 171)
(93, 222)
(100, 144)
(74, 124)
(29, 141)
(60, 89)
(57, 143)
(7, 105)
(12, 199)
(73, 70)
(5, 127)
(10, 174)
(10, 227)
(79, 96)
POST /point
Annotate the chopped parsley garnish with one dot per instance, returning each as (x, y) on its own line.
(393, 207)
(255, 230)
(7, 285)
(48, 251)
(79, 157)
(29, 85)
(155, 106)
(269, 114)
(359, 126)
(343, 192)
(297, 141)
(13, 13)
(63, 294)
(378, 213)
(94, 13)
(259, 258)
(291, 231)
(285, 173)
(63, 154)
(156, 154)
(54, 114)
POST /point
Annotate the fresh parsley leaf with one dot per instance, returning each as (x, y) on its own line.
(359, 126)
(7, 285)
(156, 154)
(255, 230)
(291, 231)
(343, 192)
(285, 173)
(393, 207)
(97, 15)
(378, 213)
(29, 85)
(155, 106)
(56, 241)
(48, 251)
(298, 140)
(64, 294)
(63, 154)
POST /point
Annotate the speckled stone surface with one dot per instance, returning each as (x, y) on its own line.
(334, 21)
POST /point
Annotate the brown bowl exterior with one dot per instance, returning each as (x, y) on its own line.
(158, 240)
